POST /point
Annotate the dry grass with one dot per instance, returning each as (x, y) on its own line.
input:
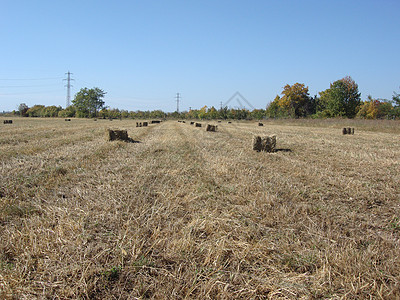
(186, 214)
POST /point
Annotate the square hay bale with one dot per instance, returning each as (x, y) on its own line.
(191, 123)
(117, 135)
(211, 127)
(265, 143)
(145, 124)
(260, 124)
(348, 130)
(7, 122)
(198, 125)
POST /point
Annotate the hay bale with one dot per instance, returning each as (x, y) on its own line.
(257, 143)
(155, 122)
(260, 124)
(191, 123)
(7, 122)
(348, 130)
(117, 135)
(145, 124)
(266, 143)
(211, 127)
(198, 125)
(229, 122)
(68, 120)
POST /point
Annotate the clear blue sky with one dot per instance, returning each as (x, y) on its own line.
(143, 52)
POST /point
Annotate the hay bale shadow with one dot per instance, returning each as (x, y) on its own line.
(283, 150)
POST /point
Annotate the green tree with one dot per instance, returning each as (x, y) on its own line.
(396, 99)
(212, 113)
(375, 109)
(89, 101)
(341, 99)
(51, 111)
(258, 114)
(223, 112)
(22, 109)
(36, 111)
(68, 112)
(274, 110)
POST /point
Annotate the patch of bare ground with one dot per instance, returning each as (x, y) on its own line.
(187, 213)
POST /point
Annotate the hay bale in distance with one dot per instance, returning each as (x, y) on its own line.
(348, 130)
(7, 122)
(68, 120)
(211, 127)
(145, 124)
(198, 125)
(191, 123)
(260, 124)
(266, 143)
(117, 135)
(155, 121)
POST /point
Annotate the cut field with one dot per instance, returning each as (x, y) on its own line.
(188, 214)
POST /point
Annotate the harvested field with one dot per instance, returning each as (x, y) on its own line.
(188, 214)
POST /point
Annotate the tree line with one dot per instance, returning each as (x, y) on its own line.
(341, 99)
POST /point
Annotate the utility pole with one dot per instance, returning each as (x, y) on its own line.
(177, 101)
(221, 105)
(68, 79)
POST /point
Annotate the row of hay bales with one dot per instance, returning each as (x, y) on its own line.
(142, 124)
(7, 121)
(209, 127)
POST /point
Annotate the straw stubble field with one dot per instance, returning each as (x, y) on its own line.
(187, 213)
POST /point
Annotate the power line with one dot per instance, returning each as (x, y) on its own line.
(177, 102)
(24, 86)
(26, 79)
(68, 79)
